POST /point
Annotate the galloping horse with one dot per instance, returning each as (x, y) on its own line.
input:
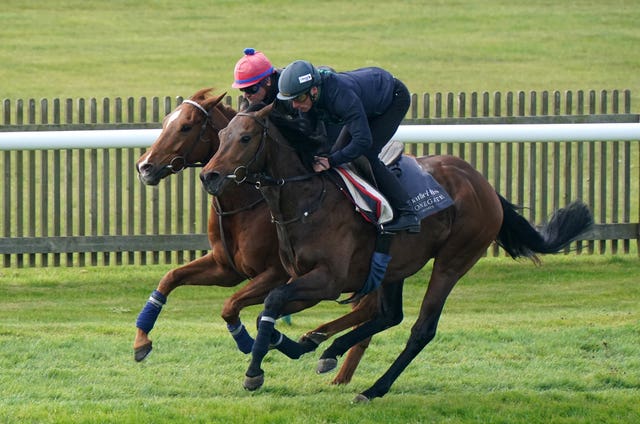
(242, 237)
(326, 246)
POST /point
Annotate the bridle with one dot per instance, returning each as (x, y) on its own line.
(241, 173)
(179, 163)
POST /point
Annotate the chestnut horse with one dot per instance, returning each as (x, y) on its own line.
(326, 246)
(242, 237)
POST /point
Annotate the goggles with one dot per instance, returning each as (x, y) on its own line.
(300, 98)
(253, 89)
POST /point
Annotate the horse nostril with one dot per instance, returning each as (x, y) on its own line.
(144, 168)
(208, 176)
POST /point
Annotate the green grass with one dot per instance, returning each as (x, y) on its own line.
(73, 48)
(516, 344)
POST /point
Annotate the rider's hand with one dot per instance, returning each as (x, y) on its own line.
(320, 163)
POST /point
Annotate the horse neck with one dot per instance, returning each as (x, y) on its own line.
(239, 197)
(293, 197)
(281, 159)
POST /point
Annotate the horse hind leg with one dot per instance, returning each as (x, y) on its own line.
(389, 315)
(451, 263)
(422, 333)
(348, 368)
(362, 311)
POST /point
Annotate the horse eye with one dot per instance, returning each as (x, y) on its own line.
(245, 139)
(185, 128)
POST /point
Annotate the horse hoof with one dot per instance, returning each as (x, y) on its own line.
(313, 337)
(326, 365)
(140, 353)
(253, 383)
(361, 399)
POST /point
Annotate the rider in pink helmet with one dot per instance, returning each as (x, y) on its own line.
(256, 77)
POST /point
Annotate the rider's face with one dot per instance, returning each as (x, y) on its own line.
(303, 102)
(256, 93)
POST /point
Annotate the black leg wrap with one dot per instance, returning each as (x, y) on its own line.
(287, 346)
(383, 242)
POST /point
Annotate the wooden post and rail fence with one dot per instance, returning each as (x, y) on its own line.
(85, 206)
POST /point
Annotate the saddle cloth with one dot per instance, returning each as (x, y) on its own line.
(427, 196)
(369, 202)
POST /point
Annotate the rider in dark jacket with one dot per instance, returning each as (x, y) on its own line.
(370, 103)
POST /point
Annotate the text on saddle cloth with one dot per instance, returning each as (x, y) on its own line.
(427, 195)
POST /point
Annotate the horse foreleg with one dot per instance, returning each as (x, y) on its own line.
(202, 271)
(252, 293)
(303, 289)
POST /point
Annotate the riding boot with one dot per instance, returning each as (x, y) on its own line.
(405, 217)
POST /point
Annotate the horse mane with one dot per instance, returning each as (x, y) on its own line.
(295, 130)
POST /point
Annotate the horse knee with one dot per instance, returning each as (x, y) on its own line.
(230, 311)
(277, 299)
(390, 317)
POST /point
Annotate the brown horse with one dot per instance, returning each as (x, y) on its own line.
(326, 246)
(242, 237)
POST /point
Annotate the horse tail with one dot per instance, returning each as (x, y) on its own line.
(520, 239)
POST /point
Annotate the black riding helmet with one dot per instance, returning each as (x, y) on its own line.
(297, 78)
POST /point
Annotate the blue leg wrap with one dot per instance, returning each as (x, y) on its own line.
(150, 312)
(379, 262)
(240, 334)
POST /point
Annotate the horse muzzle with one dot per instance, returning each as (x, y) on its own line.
(213, 182)
(151, 175)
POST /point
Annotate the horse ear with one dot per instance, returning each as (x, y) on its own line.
(265, 111)
(220, 97)
(213, 101)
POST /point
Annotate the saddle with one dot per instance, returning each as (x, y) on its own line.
(427, 196)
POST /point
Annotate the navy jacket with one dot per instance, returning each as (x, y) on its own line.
(351, 99)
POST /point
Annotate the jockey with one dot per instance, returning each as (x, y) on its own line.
(370, 103)
(258, 80)
(256, 77)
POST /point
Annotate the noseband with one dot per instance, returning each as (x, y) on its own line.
(179, 163)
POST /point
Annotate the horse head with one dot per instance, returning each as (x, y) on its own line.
(241, 152)
(189, 137)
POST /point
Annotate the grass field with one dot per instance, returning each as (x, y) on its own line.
(90, 48)
(516, 344)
